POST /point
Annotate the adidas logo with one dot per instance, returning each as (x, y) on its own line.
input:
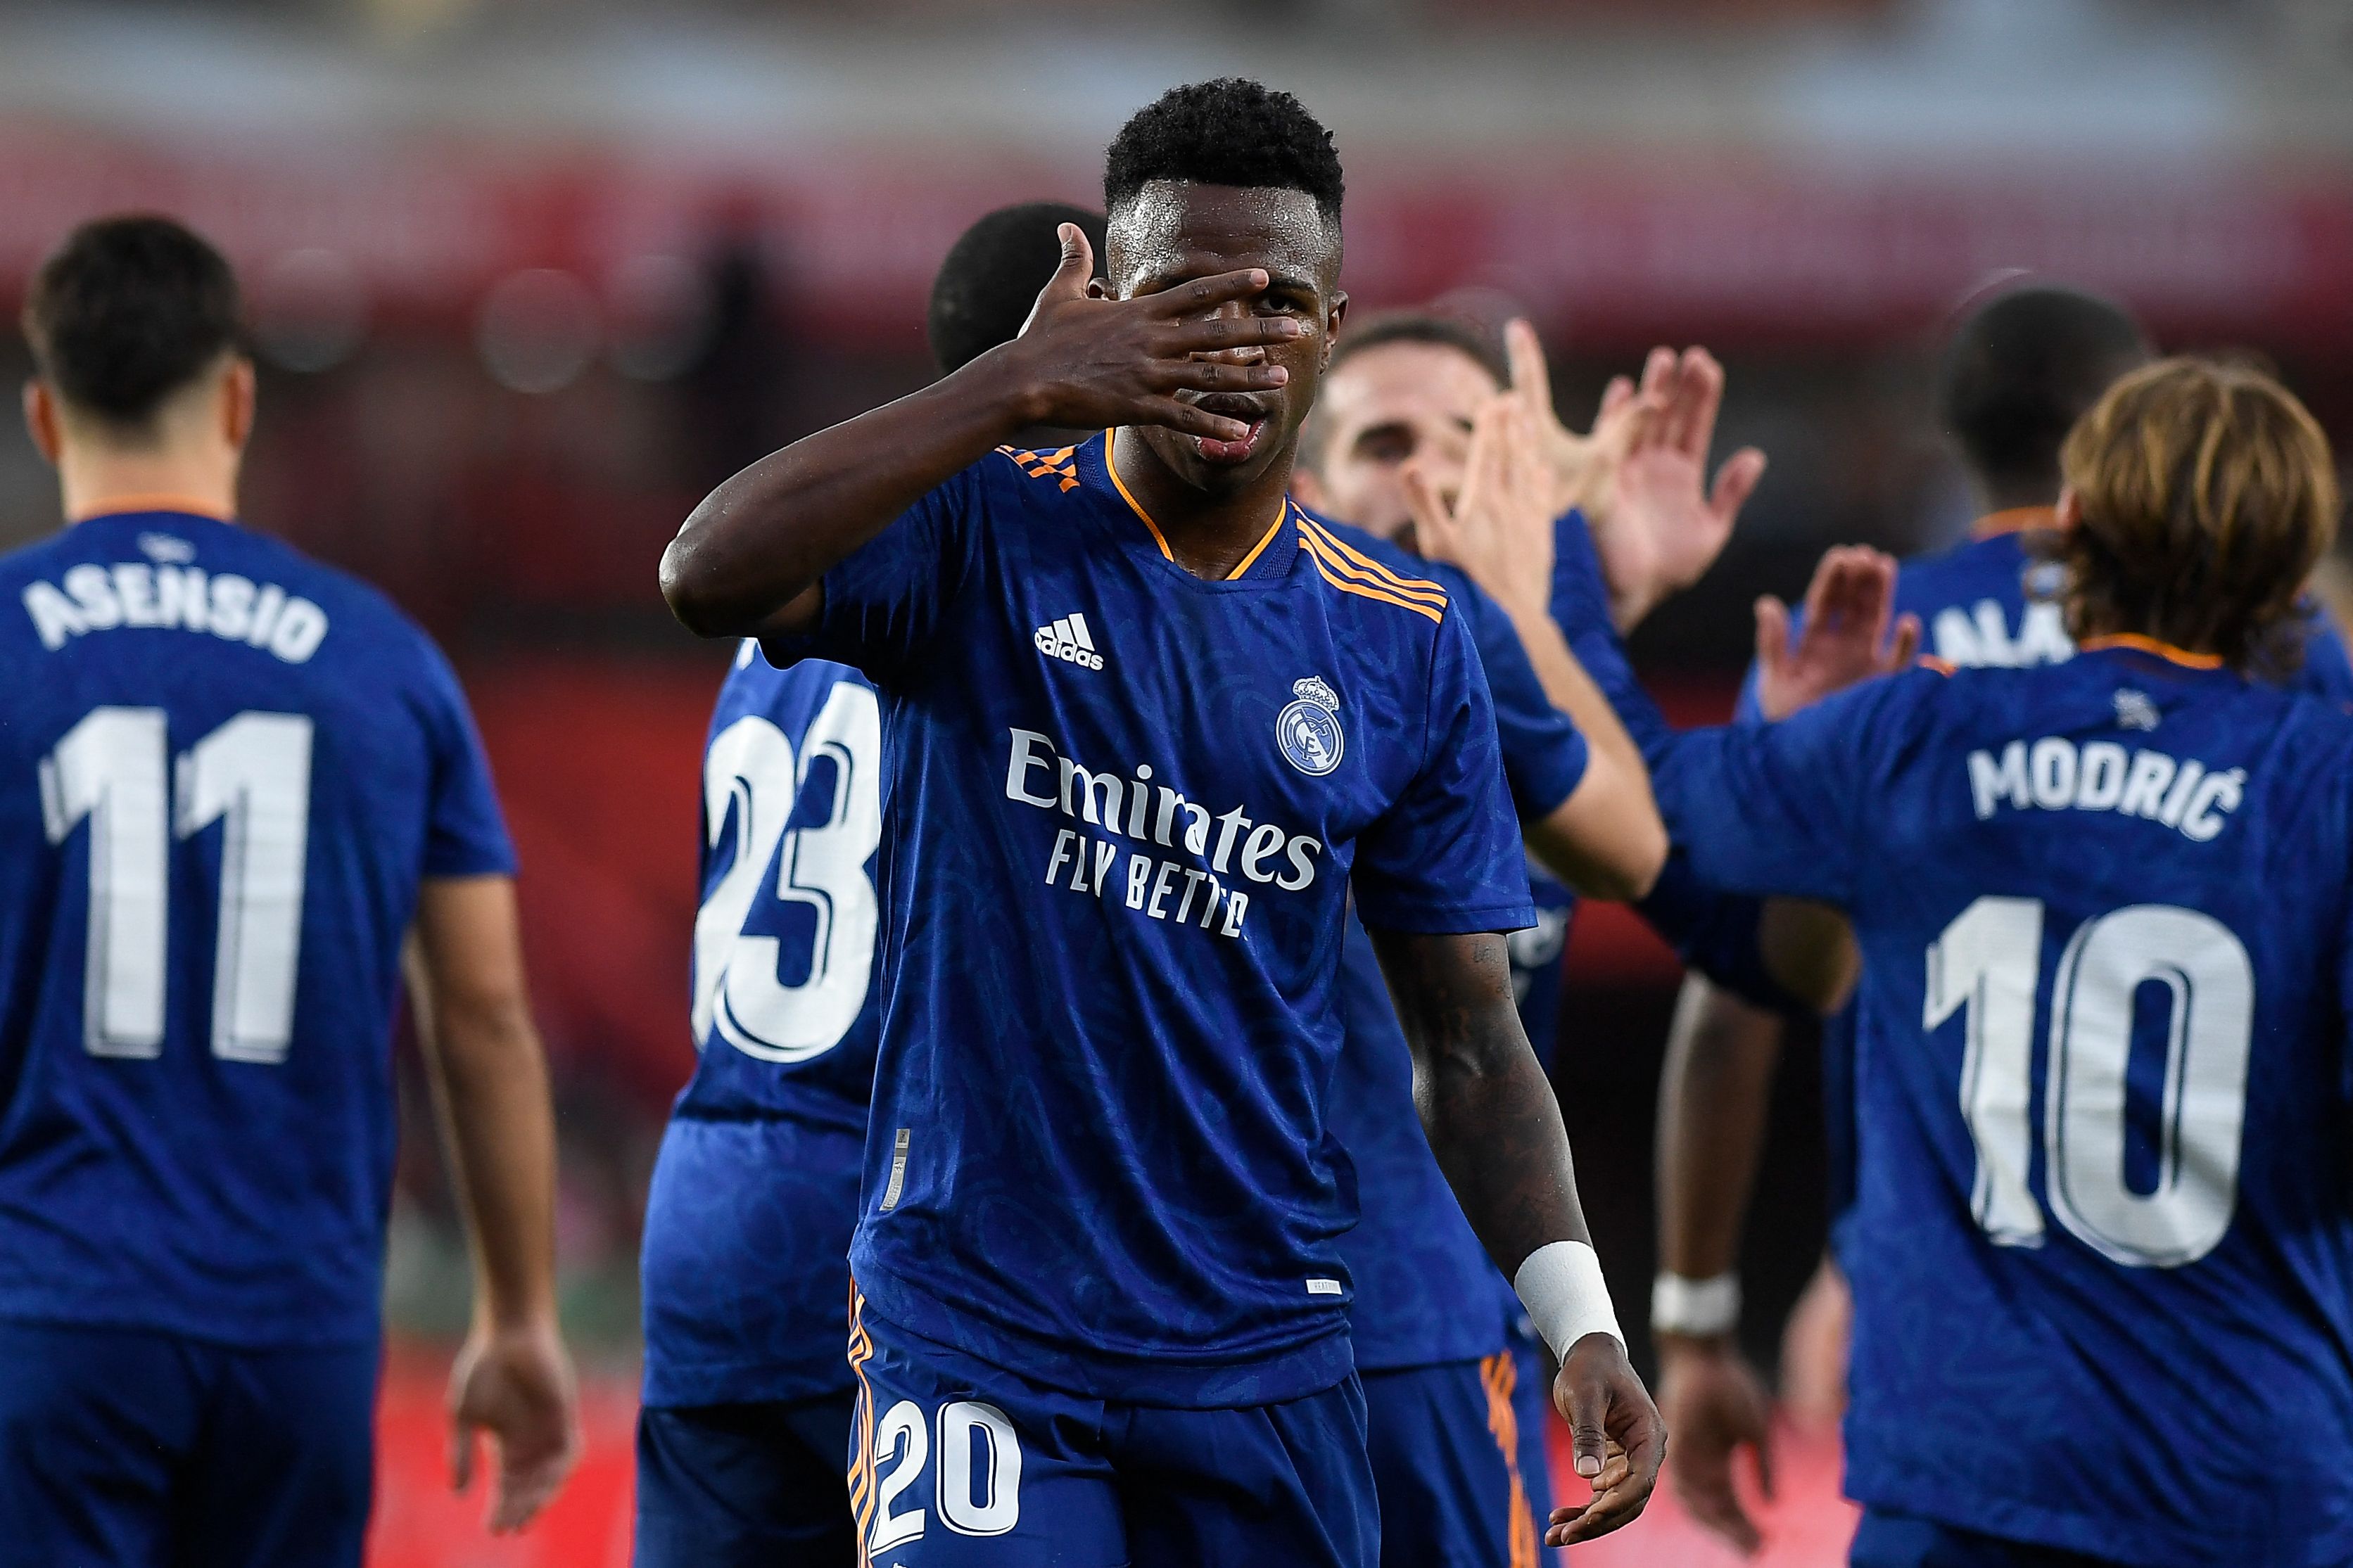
(1067, 639)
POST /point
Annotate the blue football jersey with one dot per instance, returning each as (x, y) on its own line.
(746, 1252)
(1124, 807)
(2100, 1244)
(1425, 1286)
(224, 769)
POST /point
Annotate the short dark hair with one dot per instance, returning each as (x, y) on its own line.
(2021, 369)
(129, 309)
(1470, 339)
(1228, 131)
(992, 274)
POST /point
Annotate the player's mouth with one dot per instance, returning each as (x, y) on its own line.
(1255, 412)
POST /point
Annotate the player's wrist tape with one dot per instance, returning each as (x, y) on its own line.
(1560, 1284)
(1698, 1308)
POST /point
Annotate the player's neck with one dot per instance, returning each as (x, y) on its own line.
(1206, 534)
(95, 480)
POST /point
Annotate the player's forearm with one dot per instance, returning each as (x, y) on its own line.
(750, 555)
(492, 1091)
(1713, 1096)
(1488, 1111)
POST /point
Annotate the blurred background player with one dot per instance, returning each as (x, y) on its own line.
(2097, 1258)
(1209, 591)
(235, 780)
(748, 1396)
(1414, 420)
(2017, 372)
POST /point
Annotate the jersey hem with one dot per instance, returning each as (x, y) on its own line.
(1148, 1378)
(749, 1382)
(48, 1313)
(1451, 921)
(2125, 1541)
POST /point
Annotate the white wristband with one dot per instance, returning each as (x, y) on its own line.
(1697, 1307)
(1560, 1284)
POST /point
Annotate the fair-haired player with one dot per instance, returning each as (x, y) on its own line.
(231, 780)
(1100, 1310)
(2100, 1233)
(746, 1403)
(2020, 368)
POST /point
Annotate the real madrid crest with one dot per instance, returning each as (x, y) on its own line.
(1308, 728)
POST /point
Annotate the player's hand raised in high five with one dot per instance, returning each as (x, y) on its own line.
(1849, 633)
(1617, 1436)
(1660, 528)
(1085, 362)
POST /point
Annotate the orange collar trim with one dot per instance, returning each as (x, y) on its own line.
(2164, 650)
(118, 505)
(2017, 520)
(1111, 467)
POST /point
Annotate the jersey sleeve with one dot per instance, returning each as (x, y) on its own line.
(1446, 855)
(1580, 607)
(465, 831)
(1545, 754)
(886, 599)
(1785, 808)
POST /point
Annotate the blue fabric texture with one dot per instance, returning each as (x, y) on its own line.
(1125, 809)
(224, 771)
(744, 1486)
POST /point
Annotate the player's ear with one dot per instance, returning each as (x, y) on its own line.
(41, 419)
(1333, 314)
(2069, 513)
(236, 402)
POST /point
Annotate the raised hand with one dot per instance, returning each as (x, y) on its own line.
(1500, 526)
(1658, 531)
(516, 1387)
(1617, 1436)
(1844, 638)
(1582, 470)
(1714, 1405)
(1086, 362)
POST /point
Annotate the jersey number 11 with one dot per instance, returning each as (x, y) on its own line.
(252, 775)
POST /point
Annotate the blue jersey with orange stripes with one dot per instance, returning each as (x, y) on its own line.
(1114, 875)
(2099, 1245)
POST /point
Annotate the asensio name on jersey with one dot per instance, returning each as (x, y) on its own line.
(1114, 903)
(223, 771)
(2100, 1238)
(746, 1269)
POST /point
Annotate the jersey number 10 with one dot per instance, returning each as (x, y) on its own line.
(253, 776)
(1988, 963)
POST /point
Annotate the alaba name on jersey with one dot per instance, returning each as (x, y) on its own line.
(1114, 896)
(745, 1268)
(224, 771)
(1423, 1282)
(2099, 1242)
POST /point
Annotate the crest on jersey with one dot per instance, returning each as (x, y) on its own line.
(2135, 711)
(1308, 728)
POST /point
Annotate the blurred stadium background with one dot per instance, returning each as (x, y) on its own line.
(529, 276)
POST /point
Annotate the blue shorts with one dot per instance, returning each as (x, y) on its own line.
(744, 1485)
(122, 1449)
(1885, 1539)
(1445, 1447)
(1532, 1404)
(955, 1463)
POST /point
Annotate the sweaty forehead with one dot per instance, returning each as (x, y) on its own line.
(1175, 230)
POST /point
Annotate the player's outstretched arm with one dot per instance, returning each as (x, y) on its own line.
(1606, 839)
(1712, 1098)
(1496, 1129)
(750, 558)
(512, 1380)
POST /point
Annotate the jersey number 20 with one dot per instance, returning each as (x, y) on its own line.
(1987, 963)
(751, 768)
(252, 775)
